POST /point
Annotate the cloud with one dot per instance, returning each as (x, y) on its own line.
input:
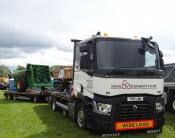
(14, 37)
(51, 56)
(10, 53)
(15, 42)
(33, 29)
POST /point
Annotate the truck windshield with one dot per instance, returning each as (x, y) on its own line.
(116, 54)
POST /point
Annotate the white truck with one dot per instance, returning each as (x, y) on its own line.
(169, 86)
(117, 85)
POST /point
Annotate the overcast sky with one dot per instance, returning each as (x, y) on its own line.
(39, 31)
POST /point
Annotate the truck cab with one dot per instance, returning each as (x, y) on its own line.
(118, 84)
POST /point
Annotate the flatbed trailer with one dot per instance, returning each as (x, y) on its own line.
(31, 84)
(33, 95)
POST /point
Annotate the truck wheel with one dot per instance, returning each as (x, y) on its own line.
(80, 117)
(34, 99)
(172, 104)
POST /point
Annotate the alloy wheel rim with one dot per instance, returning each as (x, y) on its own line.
(81, 118)
(174, 105)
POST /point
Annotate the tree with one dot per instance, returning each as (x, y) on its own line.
(53, 68)
(4, 71)
(19, 67)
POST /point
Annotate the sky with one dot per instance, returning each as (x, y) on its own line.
(39, 31)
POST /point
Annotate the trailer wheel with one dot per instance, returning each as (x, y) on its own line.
(54, 108)
(8, 97)
(80, 117)
(14, 97)
(49, 100)
(34, 99)
(64, 113)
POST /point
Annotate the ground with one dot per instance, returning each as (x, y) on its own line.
(19, 119)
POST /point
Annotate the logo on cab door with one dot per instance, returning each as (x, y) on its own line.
(126, 85)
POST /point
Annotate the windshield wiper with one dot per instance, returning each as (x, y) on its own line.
(152, 71)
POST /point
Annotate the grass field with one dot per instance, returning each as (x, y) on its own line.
(20, 119)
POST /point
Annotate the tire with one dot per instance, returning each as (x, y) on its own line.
(21, 86)
(50, 100)
(81, 116)
(14, 97)
(54, 108)
(64, 113)
(35, 99)
(8, 97)
(172, 104)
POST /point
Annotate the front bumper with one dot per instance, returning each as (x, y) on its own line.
(106, 123)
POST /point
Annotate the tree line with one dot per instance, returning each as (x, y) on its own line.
(6, 72)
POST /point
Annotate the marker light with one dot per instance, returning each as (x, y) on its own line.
(105, 34)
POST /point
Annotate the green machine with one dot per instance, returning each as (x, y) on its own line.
(35, 76)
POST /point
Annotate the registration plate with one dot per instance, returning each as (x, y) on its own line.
(130, 125)
(130, 99)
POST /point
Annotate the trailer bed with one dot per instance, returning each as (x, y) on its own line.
(33, 95)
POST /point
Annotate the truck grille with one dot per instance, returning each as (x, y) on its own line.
(135, 111)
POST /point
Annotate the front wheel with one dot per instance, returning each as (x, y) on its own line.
(80, 117)
(173, 105)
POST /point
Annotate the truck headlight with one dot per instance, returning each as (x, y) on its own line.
(104, 108)
(159, 106)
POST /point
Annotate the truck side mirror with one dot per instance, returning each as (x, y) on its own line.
(160, 53)
(161, 60)
(162, 64)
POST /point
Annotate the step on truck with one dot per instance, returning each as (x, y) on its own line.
(117, 85)
(169, 86)
(30, 84)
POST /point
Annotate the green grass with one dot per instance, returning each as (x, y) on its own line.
(20, 119)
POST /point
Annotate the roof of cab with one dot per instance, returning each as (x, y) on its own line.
(107, 38)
